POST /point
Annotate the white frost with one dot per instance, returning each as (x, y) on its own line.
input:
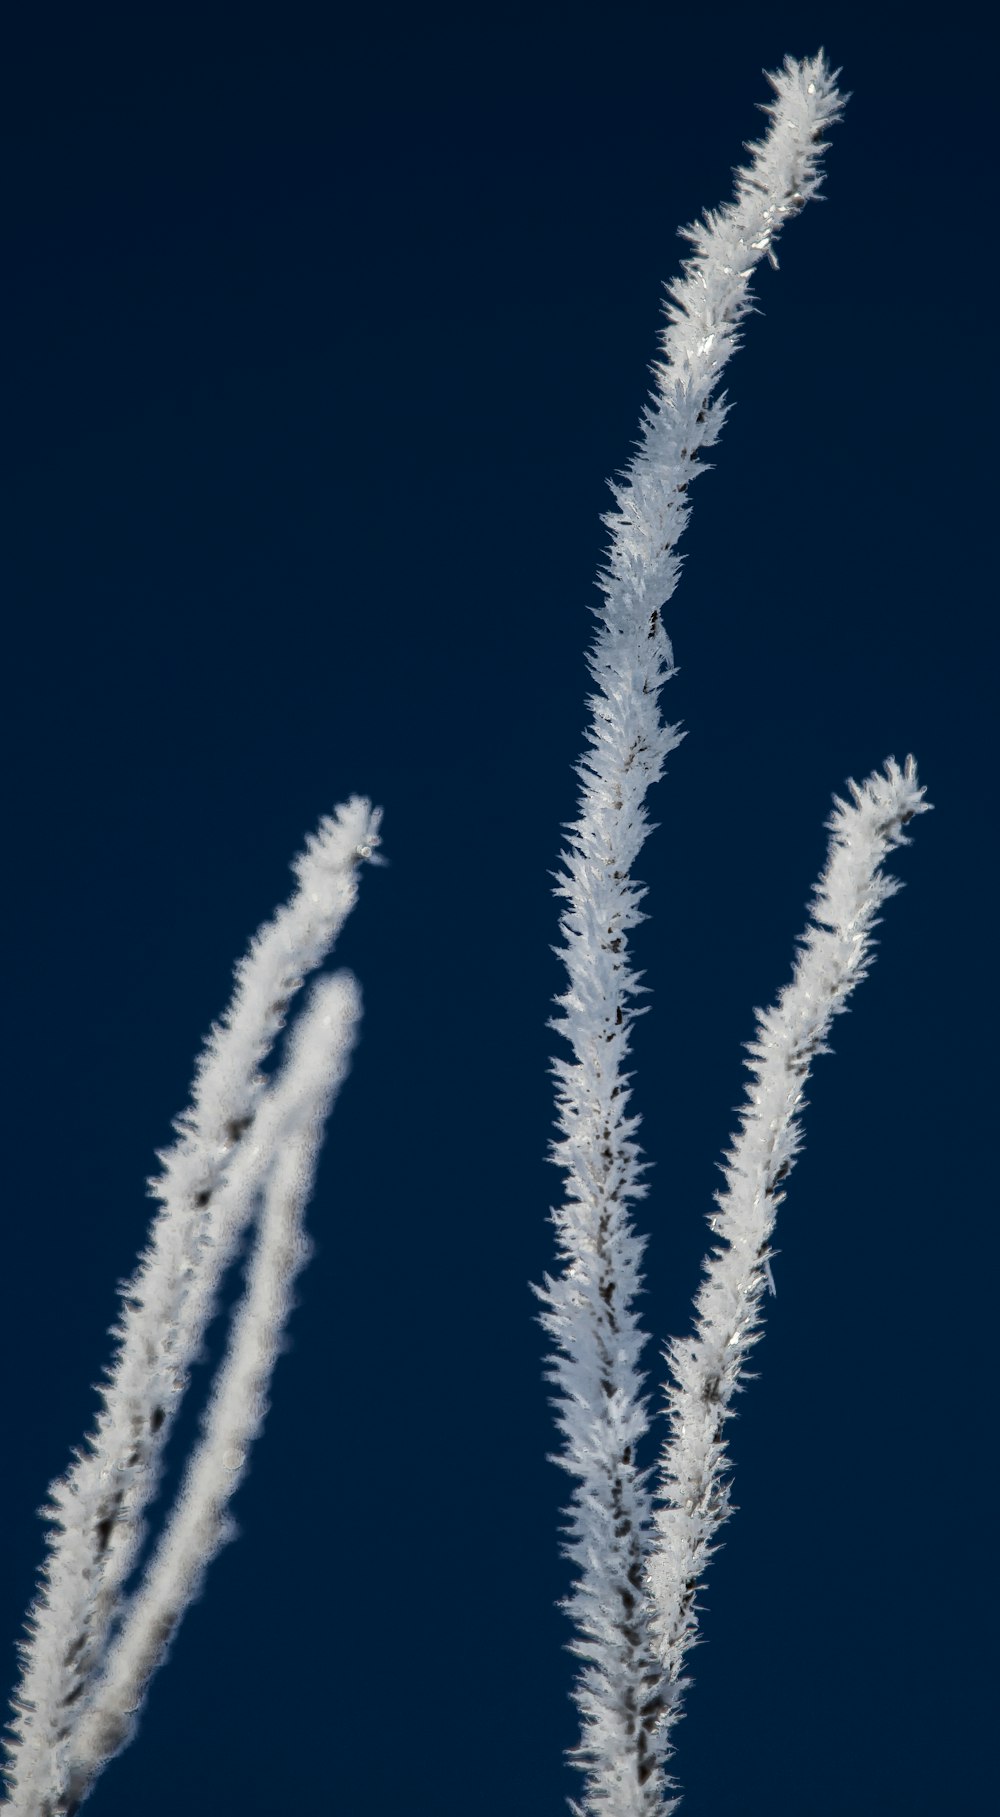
(589, 1307)
(208, 1188)
(708, 1367)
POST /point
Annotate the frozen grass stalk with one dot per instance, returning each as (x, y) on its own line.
(209, 1188)
(708, 1368)
(622, 1692)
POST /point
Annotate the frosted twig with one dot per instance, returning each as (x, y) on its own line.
(199, 1525)
(206, 1191)
(589, 1308)
(707, 1368)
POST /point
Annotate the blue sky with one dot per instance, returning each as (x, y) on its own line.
(324, 336)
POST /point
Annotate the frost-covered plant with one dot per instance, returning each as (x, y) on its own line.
(246, 1151)
(632, 1604)
(247, 1148)
(707, 1368)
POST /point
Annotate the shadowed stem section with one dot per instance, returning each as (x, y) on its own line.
(199, 1524)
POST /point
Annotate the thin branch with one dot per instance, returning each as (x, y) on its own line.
(708, 1368)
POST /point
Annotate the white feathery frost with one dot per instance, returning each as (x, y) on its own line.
(707, 1368)
(589, 1308)
(247, 1150)
(199, 1525)
(208, 1187)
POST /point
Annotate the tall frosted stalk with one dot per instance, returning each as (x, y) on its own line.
(589, 1308)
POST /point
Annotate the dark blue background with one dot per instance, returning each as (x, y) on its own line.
(323, 333)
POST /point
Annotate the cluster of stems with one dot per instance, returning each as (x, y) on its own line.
(245, 1155)
(639, 1556)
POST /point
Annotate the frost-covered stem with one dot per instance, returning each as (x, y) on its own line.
(199, 1524)
(589, 1308)
(206, 1190)
(707, 1368)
